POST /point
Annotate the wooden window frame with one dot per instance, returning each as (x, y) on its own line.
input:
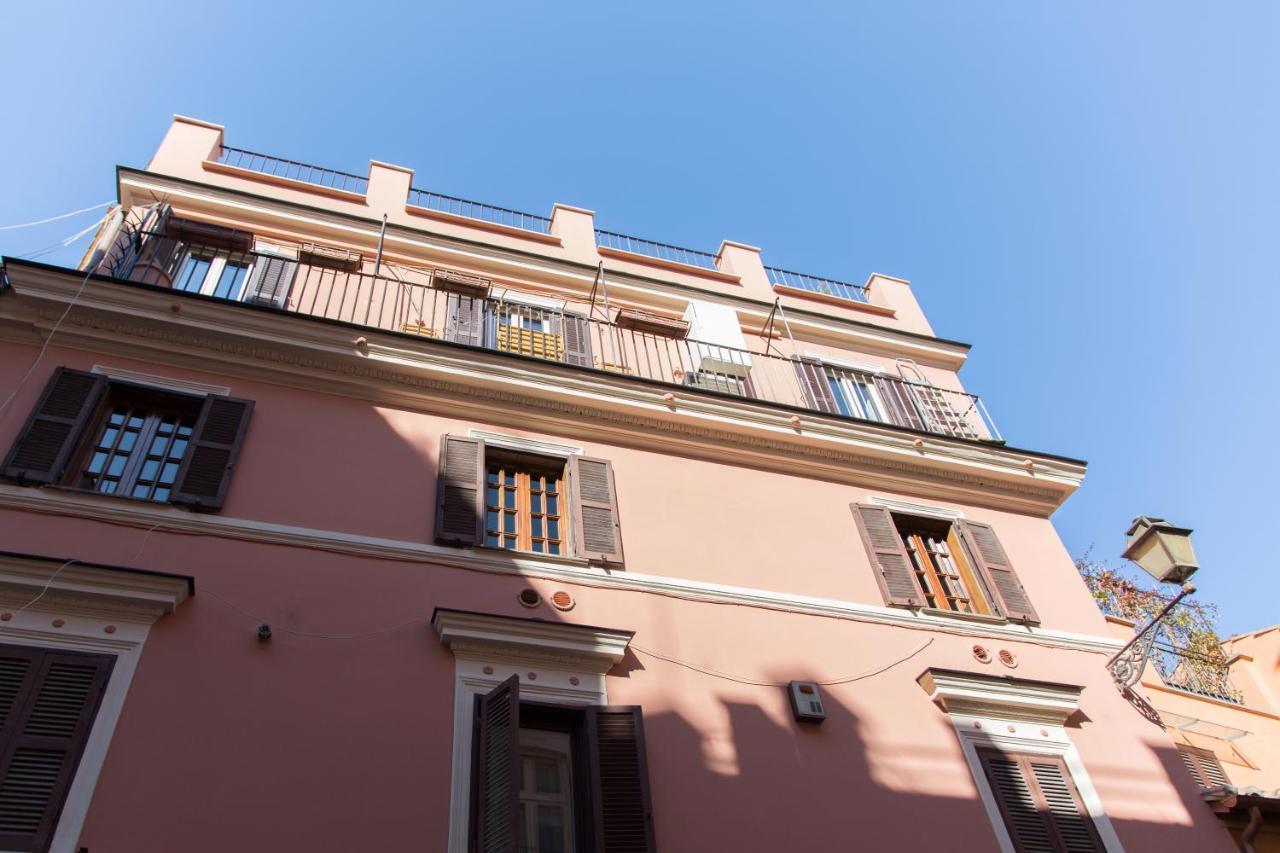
(531, 475)
(922, 537)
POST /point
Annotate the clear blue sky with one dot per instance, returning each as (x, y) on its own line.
(1088, 192)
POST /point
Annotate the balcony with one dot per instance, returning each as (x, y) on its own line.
(1205, 674)
(443, 305)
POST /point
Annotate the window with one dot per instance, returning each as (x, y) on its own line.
(515, 324)
(550, 778)
(854, 394)
(213, 273)
(48, 702)
(121, 438)
(499, 498)
(953, 565)
(1204, 765)
(1041, 807)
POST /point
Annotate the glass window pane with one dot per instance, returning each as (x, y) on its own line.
(491, 541)
(149, 469)
(107, 487)
(491, 496)
(117, 417)
(140, 490)
(535, 502)
(537, 527)
(554, 547)
(178, 449)
(546, 777)
(109, 436)
(553, 505)
(162, 494)
(550, 829)
(170, 472)
(553, 528)
(185, 430)
(509, 499)
(116, 465)
(95, 466)
(127, 440)
(509, 523)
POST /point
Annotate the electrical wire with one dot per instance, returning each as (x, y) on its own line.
(715, 673)
(55, 218)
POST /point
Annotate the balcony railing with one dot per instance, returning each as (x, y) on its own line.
(293, 170)
(817, 284)
(661, 251)
(418, 302)
(478, 210)
(1202, 674)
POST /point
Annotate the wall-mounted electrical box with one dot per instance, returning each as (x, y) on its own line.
(806, 701)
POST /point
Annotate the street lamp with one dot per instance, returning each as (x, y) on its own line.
(1163, 551)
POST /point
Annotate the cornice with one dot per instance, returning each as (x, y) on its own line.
(484, 635)
(1009, 698)
(75, 588)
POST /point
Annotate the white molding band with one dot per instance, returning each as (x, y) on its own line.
(164, 383)
(579, 646)
(1009, 698)
(910, 508)
(530, 445)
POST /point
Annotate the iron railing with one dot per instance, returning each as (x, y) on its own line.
(479, 210)
(293, 170)
(406, 301)
(1194, 672)
(817, 284)
(662, 251)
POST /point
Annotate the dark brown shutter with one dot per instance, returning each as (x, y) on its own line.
(577, 340)
(270, 281)
(206, 234)
(619, 780)
(597, 531)
(215, 445)
(55, 425)
(817, 390)
(990, 559)
(465, 320)
(48, 701)
(498, 828)
(460, 491)
(1204, 765)
(899, 402)
(888, 555)
(1042, 810)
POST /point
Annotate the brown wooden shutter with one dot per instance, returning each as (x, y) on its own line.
(816, 388)
(1042, 810)
(460, 491)
(888, 555)
(54, 427)
(1204, 765)
(577, 340)
(989, 557)
(206, 234)
(623, 813)
(597, 531)
(48, 701)
(498, 828)
(465, 320)
(900, 405)
(270, 281)
(205, 474)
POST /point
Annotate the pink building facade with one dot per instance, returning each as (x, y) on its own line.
(342, 515)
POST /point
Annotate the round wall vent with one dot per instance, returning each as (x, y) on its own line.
(529, 597)
(981, 653)
(1008, 658)
(562, 600)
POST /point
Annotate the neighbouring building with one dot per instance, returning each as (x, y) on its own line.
(343, 515)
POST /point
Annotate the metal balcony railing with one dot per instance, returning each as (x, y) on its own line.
(817, 284)
(412, 301)
(1202, 674)
(661, 251)
(479, 210)
(293, 170)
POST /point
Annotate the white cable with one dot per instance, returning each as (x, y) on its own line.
(55, 218)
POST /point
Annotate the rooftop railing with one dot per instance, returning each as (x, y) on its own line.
(1194, 672)
(478, 210)
(817, 284)
(661, 251)
(413, 301)
(293, 170)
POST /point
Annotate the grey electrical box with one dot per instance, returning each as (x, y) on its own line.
(806, 701)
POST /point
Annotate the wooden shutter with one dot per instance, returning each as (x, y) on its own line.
(460, 491)
(817, 390)
(54, 427)
(597, 531)
(888, 555)
(1205, 767)
(215, 445)
(498, 828)
(1041, 807)
(48, 701)
(577, 340)
(465, 320)
(898, 401)
(989, 557)
(206, 234)
(270, 281)
(623, 814)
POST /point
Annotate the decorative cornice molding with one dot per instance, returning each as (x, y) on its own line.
(87, 590)
(1006, 697)
(585, 647)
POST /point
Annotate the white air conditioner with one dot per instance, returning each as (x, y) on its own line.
(715, 339)
(725, 384)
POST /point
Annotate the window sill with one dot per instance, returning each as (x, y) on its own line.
(533, 555)
(75, 490)
(967, 617)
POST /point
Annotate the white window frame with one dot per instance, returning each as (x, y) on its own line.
(557, 654)
(556, 747)
(217, 264)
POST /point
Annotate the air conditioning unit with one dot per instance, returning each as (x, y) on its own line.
(715, 339)
(725, 384)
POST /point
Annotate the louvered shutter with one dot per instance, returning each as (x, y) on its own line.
(1205, 767)
(55, 425)
(48, 701)
(990, 558)
(270, 281)
(498, 828)
(205, 473)
(623, 814)
(1042, 810)
(898, 401)
(816, 388)
(597, 531)
(460, 491)
(465, 320)
(577, 340)
(888, 555)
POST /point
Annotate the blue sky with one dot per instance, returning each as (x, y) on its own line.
(1087, 192)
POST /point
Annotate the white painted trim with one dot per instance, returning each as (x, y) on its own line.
(910, 508)
(1008, 697)
(1041, 738)
(555, 654)
(844, 363)
(134, 513)
(164, 383)
(529, 300)
(530, 445)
